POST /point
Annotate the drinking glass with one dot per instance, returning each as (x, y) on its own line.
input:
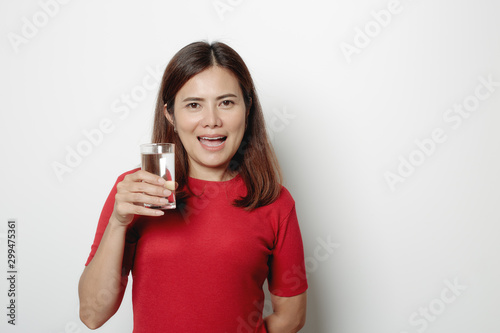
(159, 159)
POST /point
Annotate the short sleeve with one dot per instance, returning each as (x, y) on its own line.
(106, 212)
(287, 274)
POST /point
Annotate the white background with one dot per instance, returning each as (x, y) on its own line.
(349, 121)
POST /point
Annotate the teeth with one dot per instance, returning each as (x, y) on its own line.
(212, 142)
(216, 145)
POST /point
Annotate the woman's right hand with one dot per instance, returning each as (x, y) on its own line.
(135, 190)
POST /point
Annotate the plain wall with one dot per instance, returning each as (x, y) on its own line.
(380, 112)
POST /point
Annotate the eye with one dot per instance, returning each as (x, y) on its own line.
(227, 103)
(193, 105)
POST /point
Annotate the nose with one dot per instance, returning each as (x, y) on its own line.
(211, 118)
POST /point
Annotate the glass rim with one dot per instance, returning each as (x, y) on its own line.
(156, 144)
(157, 148)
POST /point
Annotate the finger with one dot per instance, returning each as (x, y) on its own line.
(171, 185)
(141, 198)
(150, 189)
(149, 211)
(141, 210)
(145, 176)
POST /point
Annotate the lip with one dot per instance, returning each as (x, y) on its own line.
(211, 135)
(207, 137)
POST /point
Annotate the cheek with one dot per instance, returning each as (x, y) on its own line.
(185, 123)
(185, 129)
(239, 131)
(238, 123)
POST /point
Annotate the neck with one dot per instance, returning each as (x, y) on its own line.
(211, 174)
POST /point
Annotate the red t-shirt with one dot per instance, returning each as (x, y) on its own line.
(201, 267)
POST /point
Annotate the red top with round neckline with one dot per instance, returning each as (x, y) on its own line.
(201, 267)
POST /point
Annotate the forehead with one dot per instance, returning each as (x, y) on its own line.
(212, 82)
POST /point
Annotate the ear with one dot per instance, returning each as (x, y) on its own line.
(249, 106)
(169, 117)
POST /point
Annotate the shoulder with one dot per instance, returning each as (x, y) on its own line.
(282, 206)
(122, 176)
(111, 196)
(285, 198)
(280, 213)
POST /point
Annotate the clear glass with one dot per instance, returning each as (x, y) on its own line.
(159, 159)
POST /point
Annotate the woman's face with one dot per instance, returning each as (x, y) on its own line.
(210, 115)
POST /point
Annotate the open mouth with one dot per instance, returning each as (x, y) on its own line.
(212, 142)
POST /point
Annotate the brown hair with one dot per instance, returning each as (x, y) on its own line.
(255, 159)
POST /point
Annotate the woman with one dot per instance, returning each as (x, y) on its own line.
(200, 267)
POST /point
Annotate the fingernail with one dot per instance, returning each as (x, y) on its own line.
(167, 192)
(159, 212)
(161, 180)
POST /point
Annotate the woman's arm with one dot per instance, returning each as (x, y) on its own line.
(289, 314)
(102, 285)
(103, 281)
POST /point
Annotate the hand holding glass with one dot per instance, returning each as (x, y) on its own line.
(159, 159)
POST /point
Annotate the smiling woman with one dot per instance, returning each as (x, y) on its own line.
(203, 65)
(209, 116)
(201, 267)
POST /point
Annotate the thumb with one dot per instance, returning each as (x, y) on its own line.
(171, 185)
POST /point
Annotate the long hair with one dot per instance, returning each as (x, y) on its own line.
(255, 159)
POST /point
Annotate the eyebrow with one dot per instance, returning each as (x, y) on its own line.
(199, 99)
